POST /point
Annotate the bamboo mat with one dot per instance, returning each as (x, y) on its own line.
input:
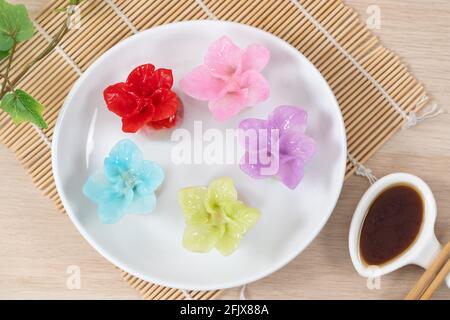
(375, 91)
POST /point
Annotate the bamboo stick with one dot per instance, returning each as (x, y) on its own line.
(430, 274)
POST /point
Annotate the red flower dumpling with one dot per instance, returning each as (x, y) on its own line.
(145, 98)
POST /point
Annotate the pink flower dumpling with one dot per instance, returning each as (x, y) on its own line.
(230, 78)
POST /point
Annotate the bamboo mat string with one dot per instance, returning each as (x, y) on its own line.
(415, 119)
(361, 170)
(206, 9)
(42, 135)
(186, 294)
(122, 16)
(357, 65)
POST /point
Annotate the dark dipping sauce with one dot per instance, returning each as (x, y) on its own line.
(391, 224)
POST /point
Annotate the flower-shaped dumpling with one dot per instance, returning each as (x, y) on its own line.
(146, 98)
(230, 78)
(126, 184)
(214, 217)
(280, 147)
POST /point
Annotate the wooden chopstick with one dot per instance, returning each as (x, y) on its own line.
(436, 282)
(429, 281)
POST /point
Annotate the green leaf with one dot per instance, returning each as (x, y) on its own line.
(22, 107)
(15, 25)
(4, 54)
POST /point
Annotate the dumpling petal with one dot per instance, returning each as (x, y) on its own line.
(260, 165)
(96, 186)
(219, 191)
(291, 173)
(298, 145)
(145, 80)
(230, 240)
(192, 202)
(254, 135)
(124, 156)
(139, 120)
(141, 80)
(223, 58)
(113, 205)
(228, 105)
(149, 177)
(253, 124)
(257, 86)
(142, 204)
(201, 237)
(255, 57)
(261, 153)
(165, 102)
(164, 123)
(243, 217)
(222, 189)
(287, 118)
(202, 85)
(163, 78)
(120, 100)
(252, 169)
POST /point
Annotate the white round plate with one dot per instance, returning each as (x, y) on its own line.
(149, 246)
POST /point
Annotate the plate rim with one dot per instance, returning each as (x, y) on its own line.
(123, 265)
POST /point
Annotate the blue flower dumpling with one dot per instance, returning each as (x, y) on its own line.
(127, 183)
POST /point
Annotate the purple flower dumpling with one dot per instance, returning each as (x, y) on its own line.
(277, 146)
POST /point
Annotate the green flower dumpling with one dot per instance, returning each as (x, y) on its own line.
(215, 217)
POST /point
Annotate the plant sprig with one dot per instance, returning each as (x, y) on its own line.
(15, 27)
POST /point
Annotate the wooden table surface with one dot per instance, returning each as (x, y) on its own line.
(38, 245)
